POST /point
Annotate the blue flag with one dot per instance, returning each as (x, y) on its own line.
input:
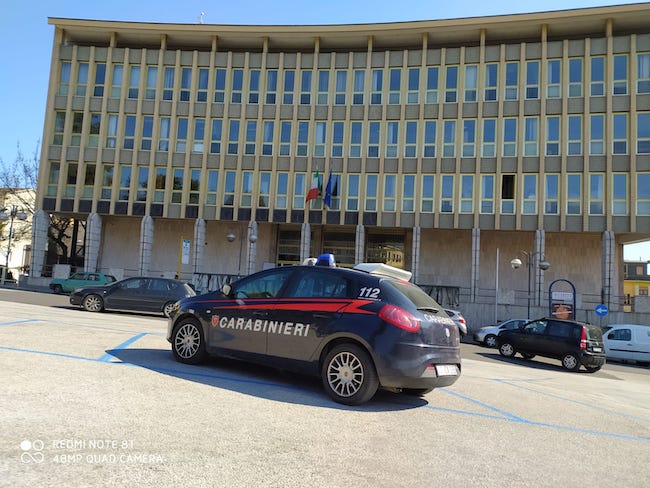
(328, 192)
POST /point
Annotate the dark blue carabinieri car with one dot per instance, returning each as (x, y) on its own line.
(358, 329)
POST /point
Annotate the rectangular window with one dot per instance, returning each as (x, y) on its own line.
(427, 205)
(395, 85)
(82, 79)
(408, 193)
(469, 138)
(164, 131)
(237, 86)
(212, 187)
(186, 84)
(134, 82)
(413, 94)
(341, 87)
(529, 204)
(554, 78)
(233, 137)
(251, 137)
(352, 201)
(392, 135)
(161, 180)
(53, 179)
(643, 194)
(552, 136)
(620, 75)
(575, 77)
(254, 86)
(574, 192)
(320, 138)
(64, 78)
(59, 127)
(531, 136)
(282, 191)
(376, 87)
(116, 81)
(246, 194)
(285, 138)
(322, 98)
(125, 183)
(449, 139)
(619, 194)
(355, 139)
(411, 140)
(199, 135)
(129, 132)
(177, 186)
(390, 193)
(551, 194)
(143, 180)
(574, 135)
(71, 180)
(181, 134)
(371, 193)
(168, 83)
(432, 85)
(229, 189)
(289, 84)
(467, 194)
(597, 85)
(643, 77)
(215, 136)
(220, 85)
(337, 139)
(264, 199)
(373, 139)
(471, 83)
(487, 194)
(507, 194)
(111, 133)
(195, 187)
(77, 125)
(147, 133)
(596, 194)
(447, 194)
(451, 84)
(271, 86)
(94, 130)
(358, 87)
(267, 138)
(303, 139)
(152, 80)
(489, 138)
(532, 80)
(430, 139)
(305, 87)
(597, 134)
(643, 133)
(509, 137)
(512, 81)
(89, 181)
(491, 82)
(100, 80)
(107, 183)
(619, 144)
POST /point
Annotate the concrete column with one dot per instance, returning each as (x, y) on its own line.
(40, 225)
(476, 262)
(305, 241)
(252, 247)
(146, 245)
(540, 246)
(93, 242)
(199, 245)
(359, 244)
(415, 253)
(610, 283)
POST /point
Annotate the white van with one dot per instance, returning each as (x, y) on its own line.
(628, 342)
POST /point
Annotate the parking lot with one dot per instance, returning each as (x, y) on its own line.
(97, 399)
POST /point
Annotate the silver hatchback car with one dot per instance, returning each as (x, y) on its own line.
(488, 335)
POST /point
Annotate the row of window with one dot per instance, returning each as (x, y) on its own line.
(426, 193)
(468, 83)
(572, 135)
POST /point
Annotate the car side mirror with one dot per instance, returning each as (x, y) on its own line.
(226, 289)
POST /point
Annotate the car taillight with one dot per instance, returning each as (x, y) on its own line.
(400, 318)
(583, 339)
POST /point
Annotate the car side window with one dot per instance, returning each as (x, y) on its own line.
(512, 325)
(159, 285)
(620, 335)
(319, 284)
(559, 329)
(538, 327)
(78, 276)
(268, 285)
(134, 284)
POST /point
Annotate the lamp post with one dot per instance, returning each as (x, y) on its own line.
(543, 264)
(10, 213)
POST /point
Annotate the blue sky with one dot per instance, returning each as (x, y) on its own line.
(28, 37)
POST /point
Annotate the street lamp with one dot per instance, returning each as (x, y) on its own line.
(10, 213)
(252, 239)
(543, 264)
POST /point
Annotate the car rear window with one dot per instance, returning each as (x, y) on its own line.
(413, 294)
(594, 333)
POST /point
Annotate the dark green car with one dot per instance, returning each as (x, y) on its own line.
(79, 280)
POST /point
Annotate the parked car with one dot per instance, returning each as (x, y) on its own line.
(488, 335)
(358, 329)
(574, 343)
(459, 320)
(137, 294)
(628, 342)
(80, 279)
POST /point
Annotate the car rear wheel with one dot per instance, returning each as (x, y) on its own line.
(188, 344)
(167, 309)
(570, 362)
(490, 340)
(507, 350)
(93, 303)
(58, 289)
(348, 375)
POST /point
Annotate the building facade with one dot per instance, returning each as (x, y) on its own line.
(437, 146)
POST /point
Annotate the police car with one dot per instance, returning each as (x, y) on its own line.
(358, 329)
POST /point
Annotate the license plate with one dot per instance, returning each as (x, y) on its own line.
(446, 370)
(597, 349)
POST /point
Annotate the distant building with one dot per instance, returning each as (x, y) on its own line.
(16, 251)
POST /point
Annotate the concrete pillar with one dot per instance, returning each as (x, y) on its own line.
(359, 245)
(199, 245)
(538, 255)
(252, 247)
(476, 262)
(305, 241)
(146, 245)
(609, 283)
(93, 242)
(415, 253)
(40, 225)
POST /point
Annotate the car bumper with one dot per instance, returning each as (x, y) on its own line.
(591, 360)
(75, 300)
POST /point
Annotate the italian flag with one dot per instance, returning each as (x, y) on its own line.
(314, 189)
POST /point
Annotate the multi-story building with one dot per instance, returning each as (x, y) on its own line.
(191, 149)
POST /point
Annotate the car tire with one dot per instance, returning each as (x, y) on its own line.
(507, 350)
(58, 289)
(349, 375)
(93, 303)
(571, 362)
(167, 309)
(525, 355)
(592, 369)
(490, 340)
(188, 344)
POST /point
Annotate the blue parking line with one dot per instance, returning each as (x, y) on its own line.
(46, 353)
(505, 414)
(106, 358)
(27, 321)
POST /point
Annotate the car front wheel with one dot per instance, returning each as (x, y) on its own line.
(167, 309)
(188, 344)
(507, 350)
(570, 362)
(490, 340)
(349, 375)
(93, 303)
